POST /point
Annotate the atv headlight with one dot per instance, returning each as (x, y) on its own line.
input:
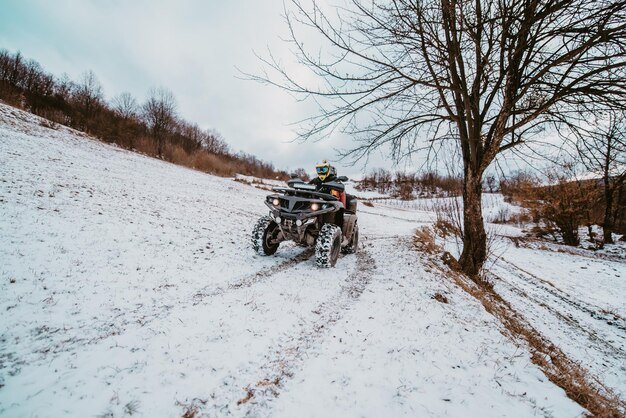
(276, 202)
(315, 206)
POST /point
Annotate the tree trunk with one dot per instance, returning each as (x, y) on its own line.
(474, 236)
(607, 227)
(159, 140)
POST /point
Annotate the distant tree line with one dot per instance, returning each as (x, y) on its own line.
(408, 186)
(153, 127)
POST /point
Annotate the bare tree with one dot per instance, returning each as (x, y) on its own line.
(214, 142)
(301, 173)
(488, 75)
(125, 105)
(603, 151)
(88, 96)
(159, 112)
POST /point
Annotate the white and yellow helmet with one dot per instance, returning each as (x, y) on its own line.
(324, 169)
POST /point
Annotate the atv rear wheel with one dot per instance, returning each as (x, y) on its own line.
(265, 236)
(328, 246)
(353, 245)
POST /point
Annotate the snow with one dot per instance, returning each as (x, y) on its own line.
(578, 300)
(400, 353)
(128, 287)
(364, 194)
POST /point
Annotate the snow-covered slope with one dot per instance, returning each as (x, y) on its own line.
(127, 287)
(578, 300)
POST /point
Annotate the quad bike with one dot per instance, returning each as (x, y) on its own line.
(309, 217)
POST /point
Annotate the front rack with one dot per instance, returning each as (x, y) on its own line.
(304, 193)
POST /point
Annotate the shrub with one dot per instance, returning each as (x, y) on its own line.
(558, 207)
(424, 240)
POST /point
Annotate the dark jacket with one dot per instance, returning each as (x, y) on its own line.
(321, 185)
(318, 182)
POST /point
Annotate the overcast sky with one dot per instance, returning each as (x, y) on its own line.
(192, 47)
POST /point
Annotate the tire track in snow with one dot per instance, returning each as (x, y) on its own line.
(393, 217)
(287, 359)
(566, 298)
(600, 344)
(254, 278)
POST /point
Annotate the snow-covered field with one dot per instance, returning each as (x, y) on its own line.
(127, 287)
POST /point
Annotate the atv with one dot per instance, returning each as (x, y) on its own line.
(310, 217)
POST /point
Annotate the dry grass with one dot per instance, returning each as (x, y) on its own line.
(575, 380)
(246, 399)
(444, 228)
(259, 184)
(46, 123)
(424, 241)
(145, 146)
(440, 298)
(192, 409)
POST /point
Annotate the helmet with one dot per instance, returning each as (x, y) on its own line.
(324, 169)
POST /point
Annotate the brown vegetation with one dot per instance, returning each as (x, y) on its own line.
(603, 150)
(440, 298)
(424, 241)
(561, 204)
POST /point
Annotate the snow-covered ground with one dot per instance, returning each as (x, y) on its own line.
(579, 301)
(127, 287)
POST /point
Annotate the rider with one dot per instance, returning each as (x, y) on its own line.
(327, 173)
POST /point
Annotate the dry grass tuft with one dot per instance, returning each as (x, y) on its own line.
(445, 229)
(190, 413)
(267, 382)
(246, 399)
(192, 409)
(424, 241)
(440, 298)
(449, 260)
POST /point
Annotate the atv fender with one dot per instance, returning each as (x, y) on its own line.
(349, 220)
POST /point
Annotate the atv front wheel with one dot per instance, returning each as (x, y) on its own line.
(353, 245)
(328, 245)
(265, 236)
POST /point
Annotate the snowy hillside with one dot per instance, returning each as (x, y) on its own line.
(128, 287)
